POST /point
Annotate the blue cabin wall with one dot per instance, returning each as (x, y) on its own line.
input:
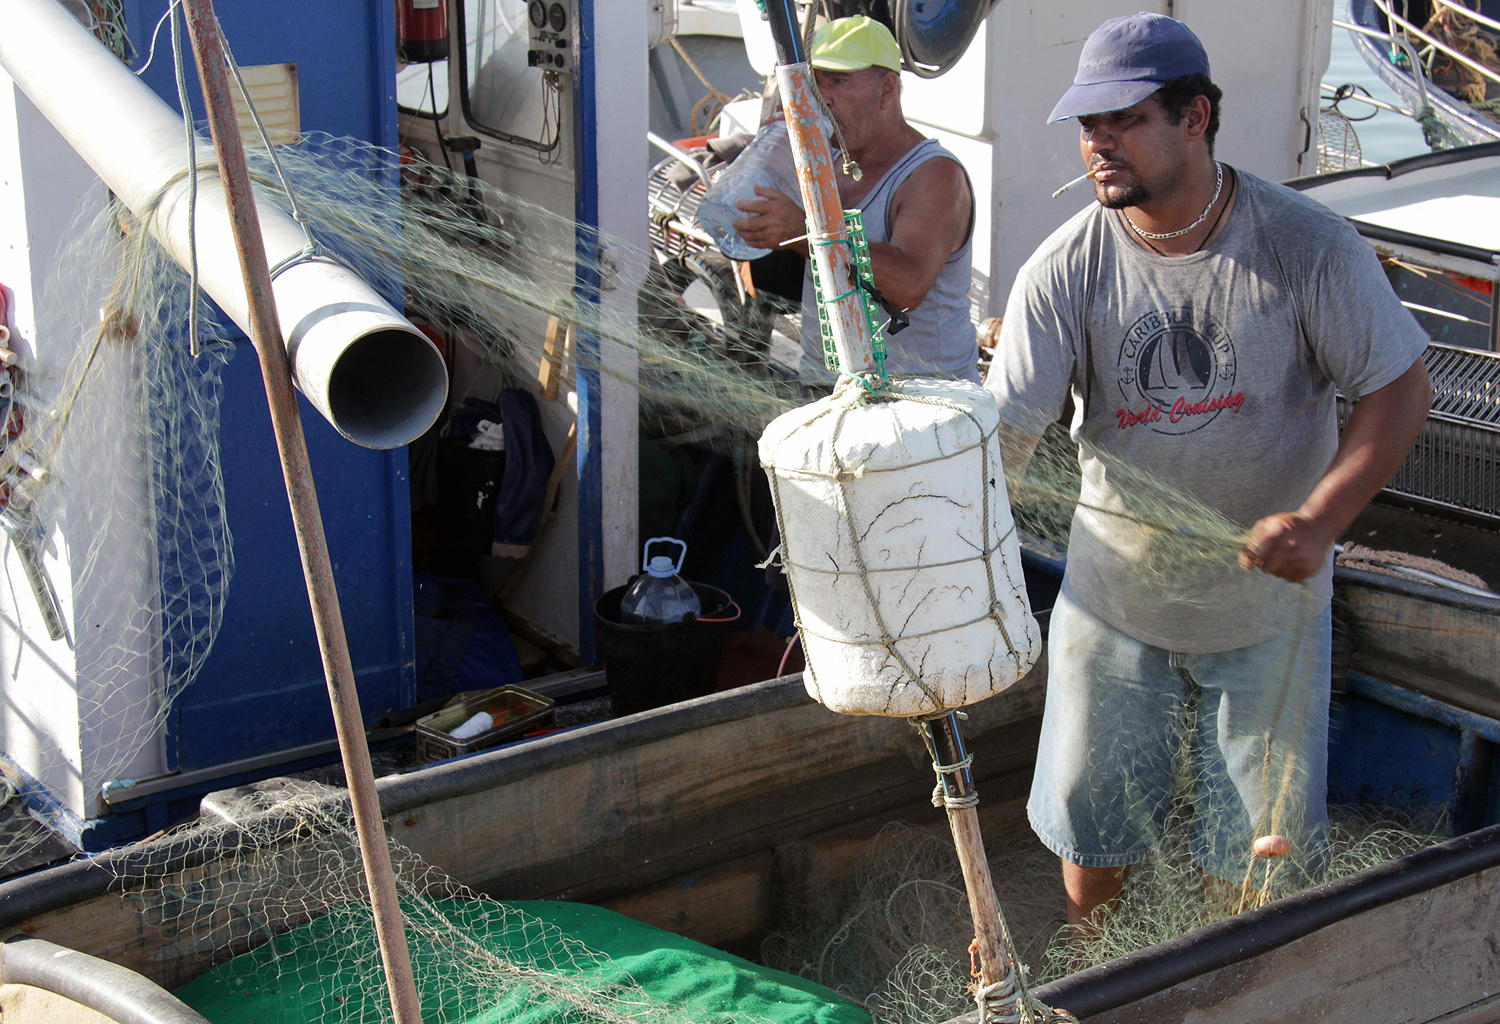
(262, 688)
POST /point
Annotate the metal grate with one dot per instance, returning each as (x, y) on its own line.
(674, 230)
(1455, 463)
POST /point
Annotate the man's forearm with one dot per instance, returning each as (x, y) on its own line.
(1379, 434)
(1016, 449)
(1380, 431)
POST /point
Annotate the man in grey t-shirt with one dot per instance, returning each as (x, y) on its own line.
(1200, 320)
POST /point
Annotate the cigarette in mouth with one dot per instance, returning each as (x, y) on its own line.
(1076, 181)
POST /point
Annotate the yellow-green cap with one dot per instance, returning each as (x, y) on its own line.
(854, 43)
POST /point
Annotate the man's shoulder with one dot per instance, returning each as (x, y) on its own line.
(1279, 204)
(930, 162)
(1072, 239)
(941, 179)
(934, 177)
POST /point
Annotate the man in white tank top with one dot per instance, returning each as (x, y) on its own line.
(919, 208)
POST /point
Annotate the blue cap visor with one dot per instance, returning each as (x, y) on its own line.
(1100, 97)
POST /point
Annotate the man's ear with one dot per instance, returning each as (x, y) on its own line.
(890, 87)
(1195, 118)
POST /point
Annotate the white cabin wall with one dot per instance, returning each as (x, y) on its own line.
(1269, 67)
(954, 110)
(548, 594)
(77, 714)
(622, 106)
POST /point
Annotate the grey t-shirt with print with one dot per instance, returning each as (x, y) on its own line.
(1214, 375)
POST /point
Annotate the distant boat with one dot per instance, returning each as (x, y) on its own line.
(1437, 55)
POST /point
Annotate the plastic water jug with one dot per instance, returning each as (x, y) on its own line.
(659, 596)
(767, 160)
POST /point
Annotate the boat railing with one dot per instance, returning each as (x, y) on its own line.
(1394, 40)
(1409, 30)
(676, 152)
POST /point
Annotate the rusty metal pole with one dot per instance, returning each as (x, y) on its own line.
(291, 446)
(997, 969)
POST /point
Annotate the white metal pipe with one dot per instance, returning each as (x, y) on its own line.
(374, 376)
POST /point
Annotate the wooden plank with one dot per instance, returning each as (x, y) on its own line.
(1456, 646)
(1485, 1011)
(554, 345)
(1413, 960)
(618, 812)
(733, 905)
(25, 1004)
(726, 905)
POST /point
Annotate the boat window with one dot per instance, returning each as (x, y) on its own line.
(423, 88)
(503, 95)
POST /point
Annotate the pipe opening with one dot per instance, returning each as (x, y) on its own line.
(387, 388)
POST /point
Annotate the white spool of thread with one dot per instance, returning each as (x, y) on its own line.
(476, 724)
(900, 549)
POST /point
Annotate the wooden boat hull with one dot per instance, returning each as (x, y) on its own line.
(1408, 941)
(675, 817)
(672, 816)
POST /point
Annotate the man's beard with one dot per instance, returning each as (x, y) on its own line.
(1134, 194)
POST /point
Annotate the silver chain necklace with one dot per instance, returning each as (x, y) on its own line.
(1158, 236)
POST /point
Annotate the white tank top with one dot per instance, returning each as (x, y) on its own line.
(940, 341)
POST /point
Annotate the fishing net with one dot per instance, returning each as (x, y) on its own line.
(894, 933)
(115, 485)
(121, 416)
(285, 887)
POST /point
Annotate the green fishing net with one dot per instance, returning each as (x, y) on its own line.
(531, 962)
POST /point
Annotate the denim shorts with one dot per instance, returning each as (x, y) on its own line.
(1135, 738)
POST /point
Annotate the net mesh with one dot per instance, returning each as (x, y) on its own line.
(286, 892)
(115, 485)
(123, 417)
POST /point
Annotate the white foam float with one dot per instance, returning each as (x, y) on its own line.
(900, 549)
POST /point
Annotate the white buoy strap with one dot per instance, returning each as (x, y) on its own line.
(900, 549)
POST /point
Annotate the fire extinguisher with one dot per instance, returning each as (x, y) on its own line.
(421, 31)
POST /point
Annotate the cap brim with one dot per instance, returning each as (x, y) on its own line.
(1100, 97)
(838, 64)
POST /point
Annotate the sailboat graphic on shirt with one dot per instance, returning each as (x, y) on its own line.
(1176, 371)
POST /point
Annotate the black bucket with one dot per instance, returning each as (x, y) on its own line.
(648, 666)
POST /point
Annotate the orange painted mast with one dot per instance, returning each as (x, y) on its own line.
(828, 242)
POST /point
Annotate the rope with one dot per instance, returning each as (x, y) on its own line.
(1393, 562)
(185, 103)
(1435, 133)
(713, 93)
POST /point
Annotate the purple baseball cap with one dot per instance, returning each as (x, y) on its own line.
(1127, 59)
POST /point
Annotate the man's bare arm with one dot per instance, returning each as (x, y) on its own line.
(930, 217)
(1380, 431)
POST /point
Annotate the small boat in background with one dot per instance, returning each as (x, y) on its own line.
(1440, 58)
